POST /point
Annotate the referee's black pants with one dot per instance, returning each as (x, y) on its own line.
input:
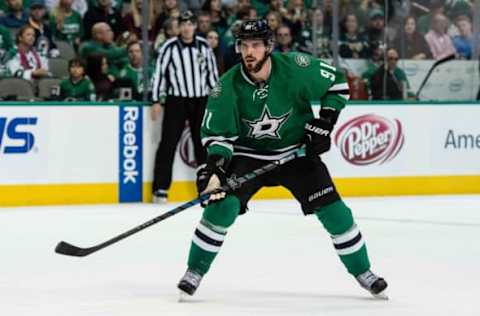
(176, 111)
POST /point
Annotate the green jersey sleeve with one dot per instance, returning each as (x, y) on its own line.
(220, 127)
(326, 83)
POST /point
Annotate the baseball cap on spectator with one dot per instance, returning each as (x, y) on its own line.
(187, 16)
(376, 13)
(34, 4)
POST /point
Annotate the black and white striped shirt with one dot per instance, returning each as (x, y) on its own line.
(184, 70)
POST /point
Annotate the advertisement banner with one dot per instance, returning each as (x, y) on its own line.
(404, 140)
(57, 144)
(63, 154)
(130, 165)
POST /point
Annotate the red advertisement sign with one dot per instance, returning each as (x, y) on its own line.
(369, 139)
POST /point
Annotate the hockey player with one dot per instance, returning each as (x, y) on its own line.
(260, 111)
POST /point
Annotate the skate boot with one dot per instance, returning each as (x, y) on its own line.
(189, 283)
(373, 283)
(159, 197)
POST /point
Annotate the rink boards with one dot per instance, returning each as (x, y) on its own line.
(53, 153)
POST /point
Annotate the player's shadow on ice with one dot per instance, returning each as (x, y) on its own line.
(284, 302)
(295, 296)
(293, 303)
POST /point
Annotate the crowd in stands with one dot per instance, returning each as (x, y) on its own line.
(99, 41)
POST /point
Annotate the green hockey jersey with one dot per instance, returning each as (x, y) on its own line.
(134, 76)
(243, 119)
(82, 90)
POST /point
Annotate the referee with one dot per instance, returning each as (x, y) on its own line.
(186, 70)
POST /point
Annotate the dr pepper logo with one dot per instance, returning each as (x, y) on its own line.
(369, 139)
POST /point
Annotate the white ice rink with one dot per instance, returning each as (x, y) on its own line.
(274, 262)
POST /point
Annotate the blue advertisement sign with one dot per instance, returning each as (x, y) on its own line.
(130, 154)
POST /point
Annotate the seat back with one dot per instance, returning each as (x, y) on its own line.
(16, 88)
(46, 87)
(66, 50)
(58, 67)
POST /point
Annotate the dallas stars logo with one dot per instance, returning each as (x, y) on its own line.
(267, 125)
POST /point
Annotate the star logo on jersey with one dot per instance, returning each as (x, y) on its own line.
(267, 125)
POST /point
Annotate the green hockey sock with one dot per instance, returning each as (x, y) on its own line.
(347, 239)
(210, 233)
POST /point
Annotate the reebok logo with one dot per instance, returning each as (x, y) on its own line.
(130, 160)
(130, 148)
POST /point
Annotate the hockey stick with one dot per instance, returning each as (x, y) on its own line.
(233, 184)
(435, 65)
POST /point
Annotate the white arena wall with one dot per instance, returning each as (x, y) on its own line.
(54, 153)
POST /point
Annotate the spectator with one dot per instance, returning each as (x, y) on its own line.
(457, 8)
(126, 38)
(214, 42)
(437, 38)
(261, 7)
(247, 12)
(389, 82)
(218, 16)
(170, 29)
(375, 33)
(274, 20)
(327, 10)
(377, 54)
(284, 40)
(239, 6)
(77, 87)
(182, 96)
(425, 21)
(296, 16)
(170, 9)
(230, 56)
(97, 71)
(351, 43)
(103, 12)
(306, 37)
(43, 35)
(27, 62)
(7, 50)
(204, 24)
(411, 44)
(194, 5)
(132, 74)
(464, 41)
(79, 6)
(102, 43)
(278, 6)
(66, 23)
(16, 17)
(133, 20)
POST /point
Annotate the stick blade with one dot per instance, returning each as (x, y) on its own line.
(64, 248)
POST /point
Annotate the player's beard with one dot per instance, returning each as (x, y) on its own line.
(252, 66)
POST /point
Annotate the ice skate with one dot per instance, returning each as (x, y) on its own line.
(188, 284)
(159, 197)
(374, 284)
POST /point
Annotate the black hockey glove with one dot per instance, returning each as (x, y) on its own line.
(317, 133)
(211, 176)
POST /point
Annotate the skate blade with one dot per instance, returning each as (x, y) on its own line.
(381, 296)
(183, 296)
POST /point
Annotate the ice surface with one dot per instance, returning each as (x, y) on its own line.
(274, 262)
